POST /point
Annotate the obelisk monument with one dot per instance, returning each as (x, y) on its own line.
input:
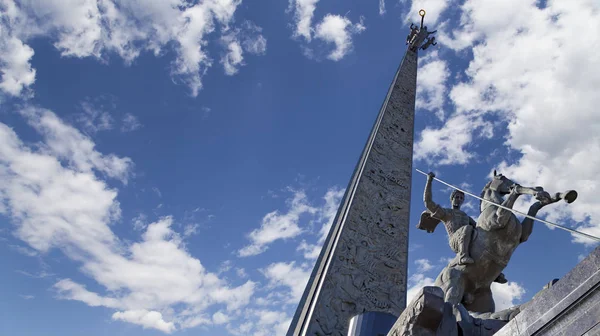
(363, 264)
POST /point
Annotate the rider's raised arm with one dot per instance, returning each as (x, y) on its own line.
(435, 210)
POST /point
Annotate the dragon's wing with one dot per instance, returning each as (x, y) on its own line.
(427, 222)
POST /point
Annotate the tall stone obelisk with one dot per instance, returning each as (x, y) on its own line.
(363, 264)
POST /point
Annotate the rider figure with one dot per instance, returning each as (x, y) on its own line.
(430, 41)
(458, 224)
(414, 30)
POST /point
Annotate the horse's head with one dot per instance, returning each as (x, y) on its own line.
(495, 189)
(501, 184)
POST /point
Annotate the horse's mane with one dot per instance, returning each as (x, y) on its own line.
(487, 186)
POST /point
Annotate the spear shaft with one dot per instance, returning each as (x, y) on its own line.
(516, 211)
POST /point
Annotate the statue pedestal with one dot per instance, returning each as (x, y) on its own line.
(429, 315)
(570, 307)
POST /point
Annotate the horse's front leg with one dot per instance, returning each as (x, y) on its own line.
(452, 282)
(504, 215)
(527, 223)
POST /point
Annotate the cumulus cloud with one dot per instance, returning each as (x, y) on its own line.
(415, 283)
(234, 56)
(277, 226)
(529, 71)
(17, 73)
(147, 319)
(434, 9)
(97, 28)
(67, 143)
(431, 83)
(290, 276)
(333, 29)
(423, 265)
(55, 196)
(303, 15)
(507, 295)
(248, 39)
(419, 279)
(261, 322)
(449, 143)
(338, 30)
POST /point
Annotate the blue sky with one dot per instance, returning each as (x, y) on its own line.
(172, 166)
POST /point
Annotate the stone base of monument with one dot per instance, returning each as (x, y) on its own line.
(429, 315)
(570, 307)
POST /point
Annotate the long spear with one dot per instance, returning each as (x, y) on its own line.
(517, 211)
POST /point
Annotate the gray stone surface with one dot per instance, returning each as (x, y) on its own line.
(569, 307)
(423, 316)
(429, 315)
(362, 266)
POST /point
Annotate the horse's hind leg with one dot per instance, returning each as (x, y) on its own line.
(483, 301)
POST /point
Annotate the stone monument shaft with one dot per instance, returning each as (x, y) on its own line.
(363, 264)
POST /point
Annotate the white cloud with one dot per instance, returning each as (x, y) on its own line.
(276, 226)
(190, 229)
(249, 38)
(381, 7)
(506, 295)
(94, 119)
(17, 73)
(241, 272)
(529, 71)
(220, 318)
(97, 28)
(139, 222)
(67, 143)
(310, 251)
(423, 265)
(447, 145)
(290, 276)
(303, 15)
(147, 319)
(431, 89)
(252, 39)
(130, 123)
(23, 250)
(261, 322)
(27, 297)
(338, 30)
(433, 8)
(333, 29)
(55, 199)
(415, 283)
(233, 58)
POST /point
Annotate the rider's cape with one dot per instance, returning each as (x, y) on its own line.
(427, 223)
